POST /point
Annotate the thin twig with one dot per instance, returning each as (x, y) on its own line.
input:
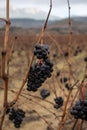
(81, 124)
(70, 24)
(74, 125)
(45, 24)
(2, 19)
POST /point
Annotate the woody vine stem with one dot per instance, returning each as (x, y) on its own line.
(4, 73)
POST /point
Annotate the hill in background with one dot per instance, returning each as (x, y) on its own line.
(79, 24)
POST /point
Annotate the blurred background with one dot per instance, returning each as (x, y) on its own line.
(27, 19)
(34, 12)
(38, 9)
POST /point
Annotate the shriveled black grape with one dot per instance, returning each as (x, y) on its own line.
(58, 102)
(68, 86)
(66, 54)
(85, 59)
(58, 73)
(44, 93)
(63, 80)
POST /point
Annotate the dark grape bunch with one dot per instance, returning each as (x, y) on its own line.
(79, 110)
(59, 102)
(38, 74)
(40, 71)
(16, 116)
(41, 51)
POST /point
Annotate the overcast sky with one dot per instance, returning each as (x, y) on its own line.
(38, 8)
